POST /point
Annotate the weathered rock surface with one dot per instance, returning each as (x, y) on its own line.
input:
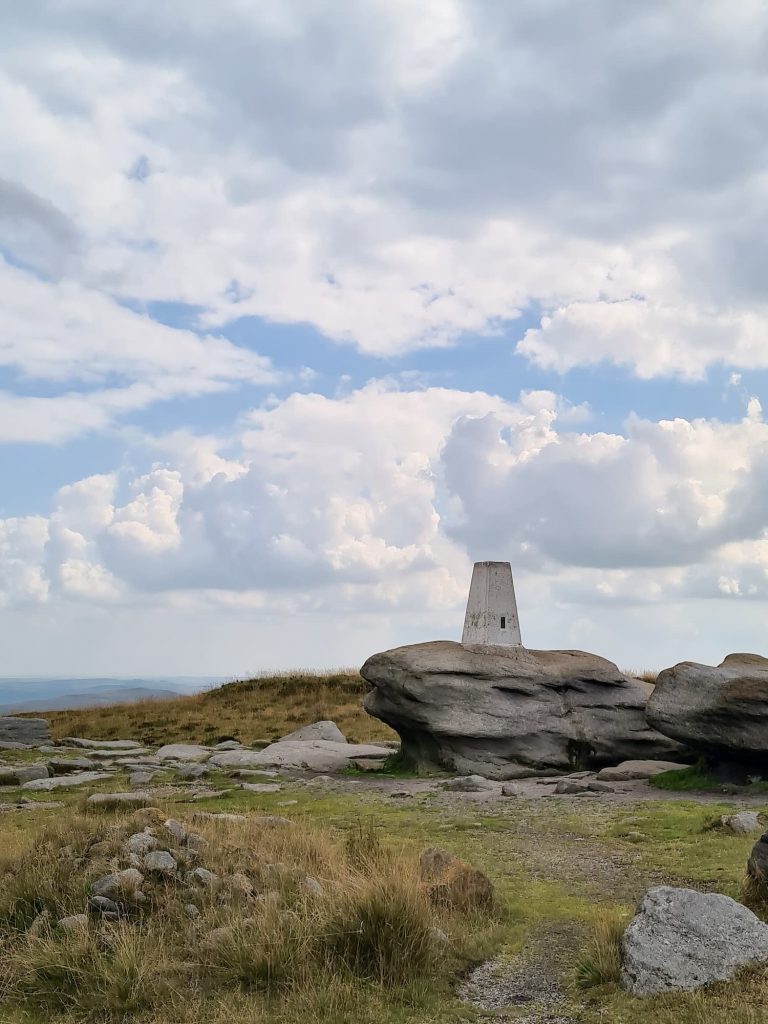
(64, 765)
(720, 711)
(681, 939)
(502, 711)
(31, 731)
(183, 752)
(62, 781)
(741, 823)
(630, 770)
(315, 755)
(160, 862)
(18, 774)
(319, 731)
(118, 885)
(450, 881)
(471, 784)
(77, 741)
(135, 799)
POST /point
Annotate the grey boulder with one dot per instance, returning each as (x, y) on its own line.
(32, 731)
(314, 755)
(183, 752)
(64, 765)
(471, 784)
(628, 771)
(18, 774)
(680, 940)
(160, 862)
(720, 711)
(502, 711)
(64, 781)
(741, 823)
(77, 741)
(319, 731)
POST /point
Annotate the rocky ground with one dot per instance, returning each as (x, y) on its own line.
(556, 847)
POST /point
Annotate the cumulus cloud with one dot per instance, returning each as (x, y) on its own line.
(399, 178)
(290, 508)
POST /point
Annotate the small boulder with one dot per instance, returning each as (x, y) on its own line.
(627, 771)
(77, 741)
(471, 784)
(757, 865)
(183, 752)
(133, 799)
(73, 923)
(260, 787)
(741, 823)
(451, 882)
(203, 878)
(680, 940)
(65, 765)
(228, 745)
(312, 886)
(176, 829)
(319, 731)
(19, 774)
(564, 787)
(103, 907)
(140, 843)
(192, 771)
(118, 885)
(65, 781)
(141, 778)
(160, 862)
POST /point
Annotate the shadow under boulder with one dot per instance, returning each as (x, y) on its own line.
(507, 712)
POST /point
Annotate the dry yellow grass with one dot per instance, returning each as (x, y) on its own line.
(252, 711)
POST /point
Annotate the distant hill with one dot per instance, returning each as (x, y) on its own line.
(90, 698)
(48, 694)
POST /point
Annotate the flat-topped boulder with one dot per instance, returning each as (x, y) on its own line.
(78, 741)
(628, 771)
(720, 711)
(502, 711)
(318, 731)
(64, 781)
(28, 731)
(313, 755)
(183, 752)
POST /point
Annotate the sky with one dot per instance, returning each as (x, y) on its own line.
(307, 305)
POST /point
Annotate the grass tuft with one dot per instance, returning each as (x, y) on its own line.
(599, 962)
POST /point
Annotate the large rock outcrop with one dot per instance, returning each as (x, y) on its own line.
(504, 712)
(720, 711)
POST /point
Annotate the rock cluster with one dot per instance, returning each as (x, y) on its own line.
(507, 712)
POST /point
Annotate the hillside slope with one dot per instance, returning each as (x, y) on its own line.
(252, 710)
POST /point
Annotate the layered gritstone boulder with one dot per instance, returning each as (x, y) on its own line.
(504, 712)
(721, 712)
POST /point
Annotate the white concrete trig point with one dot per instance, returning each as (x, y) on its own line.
(491, 607)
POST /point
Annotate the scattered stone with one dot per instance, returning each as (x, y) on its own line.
(191, 771)
(73, 923)
(635, 836)
(510, 789)
(133, 799)
(104, 907)
(41, 923)
(680, 940)
(498, 711)
(19, 774)
(451, 882)
(196, 842)
(600, 787)
(367, 764)
(741, 823)
(571, 788)
(228, 745)
(204, 878)
(145, 817)
(64, 781)
(261, 787)
(140, 843)
(320, 780)
(319, 731)
(313, 886)
(118, 885)
(76, 741)
(141, 778)
(191, 911)
(240, 884)
(30, 731)
(183, 752)
(438, 936)
(159, 862)
(63, 765)
(176, 829)
(13, 745)
(628, 771)
(309, 755)
(757, 865)
(221, 816)
(470, 784)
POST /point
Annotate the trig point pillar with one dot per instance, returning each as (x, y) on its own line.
(491, 608)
